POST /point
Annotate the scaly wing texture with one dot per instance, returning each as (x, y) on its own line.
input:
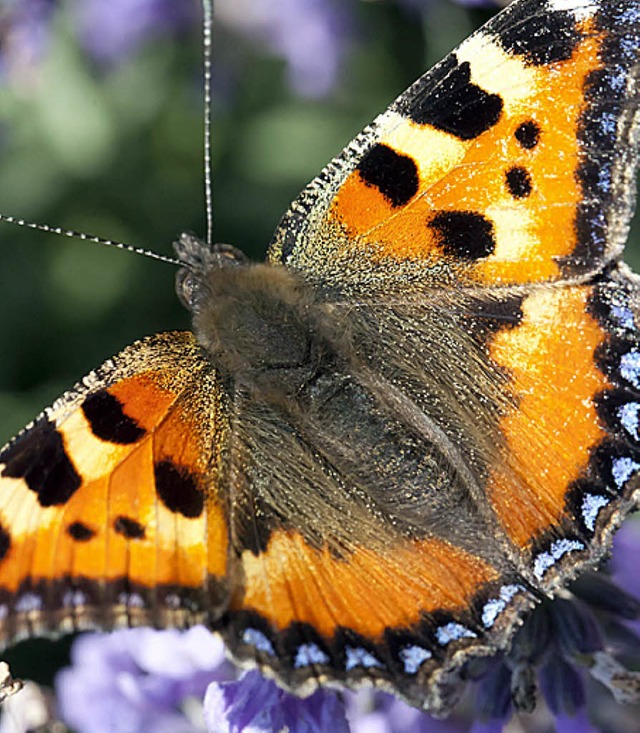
(511, 161)
(109, 506)
(395, 525)
(491, 202)
(393, 519)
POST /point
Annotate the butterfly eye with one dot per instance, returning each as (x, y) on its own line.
(199, 259)
(186, 288)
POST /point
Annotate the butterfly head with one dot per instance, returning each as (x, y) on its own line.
(254, 320)
(197, 258)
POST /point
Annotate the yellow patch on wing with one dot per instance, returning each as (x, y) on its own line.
(552, 432)
(493, 69)
(434, 151)
(545, 220)
(115, 523)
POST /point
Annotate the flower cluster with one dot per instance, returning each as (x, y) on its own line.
(309, 35)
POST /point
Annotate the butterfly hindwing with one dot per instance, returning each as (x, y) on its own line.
(109, 505)
(387, 535)
(342, 578)
(559, 487)
(470, 238)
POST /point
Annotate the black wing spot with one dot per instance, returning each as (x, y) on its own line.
(542, 39)
(108, 421)
(452, 103)
(254, 535)
(489, 316)
(464, 234)
(5, 542)
(80, 532)
(393, 174)
(528, 134)
(129, 528)
(519, 182)
(39, 458)
(178, 489)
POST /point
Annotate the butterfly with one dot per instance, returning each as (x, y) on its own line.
(376, 451)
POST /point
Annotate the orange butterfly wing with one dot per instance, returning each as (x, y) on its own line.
(509, 162)
(475, 435)
(110, 511)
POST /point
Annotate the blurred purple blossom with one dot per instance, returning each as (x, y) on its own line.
(625, 558)
(144, 680)
(568, 642)
(111, 31)
(369, 711)
(309, 34)
(140, 680)
(24, 34)
(256, 704)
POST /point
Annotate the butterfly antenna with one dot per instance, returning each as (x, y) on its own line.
(207, 6)
(88, 238)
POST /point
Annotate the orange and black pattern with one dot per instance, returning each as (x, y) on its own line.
(380, 448)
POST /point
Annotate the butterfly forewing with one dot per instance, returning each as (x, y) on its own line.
(109, 502)
(511, 161)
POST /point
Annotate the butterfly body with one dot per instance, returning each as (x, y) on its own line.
(421, 415)
(259, 325)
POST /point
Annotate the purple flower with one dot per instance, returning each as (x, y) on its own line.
(255, 704)
(111, 31)
(578, 723)
(144, 680)
(378, 712)
(139, 680)
(626, 552)
(24, 35)
(565, 644)
(309, 34)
